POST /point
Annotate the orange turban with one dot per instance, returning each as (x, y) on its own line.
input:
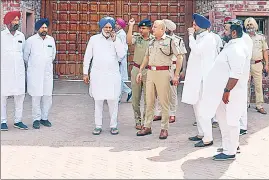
(10, 16)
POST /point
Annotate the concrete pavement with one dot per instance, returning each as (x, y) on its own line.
(69, 150)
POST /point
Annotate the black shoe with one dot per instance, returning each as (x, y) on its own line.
(4, 127)
(129, 96)
(21, 126)
(202, 144)
(36, 124)
(223, 157)
(45, 123)
(195, 138)
(243, 132)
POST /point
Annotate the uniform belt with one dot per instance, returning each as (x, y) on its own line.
(255, 62)
(138, 66)
(258, 61)
(174, 62)
(158, 68)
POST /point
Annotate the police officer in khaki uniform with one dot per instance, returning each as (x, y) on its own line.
(259, 54)
(158, 58)
(140, 41)
(170, 27)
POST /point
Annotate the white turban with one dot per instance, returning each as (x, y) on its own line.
(170, 25)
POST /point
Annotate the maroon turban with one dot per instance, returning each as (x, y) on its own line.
(10, 16)
(227, 19)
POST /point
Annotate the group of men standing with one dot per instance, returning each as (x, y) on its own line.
(36, 55)
(152, 74)
(216, 82)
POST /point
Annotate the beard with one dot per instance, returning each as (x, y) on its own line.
(14, 27)
(250, 30)
(199, 31)
(44, 33)
(106, 34)
(227, 38)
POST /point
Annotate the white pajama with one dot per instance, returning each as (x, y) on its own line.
(113, 106)
(244, 119)
(204, 125)
(40, 107)
(124, 89)
(230, 134)
(18, 101)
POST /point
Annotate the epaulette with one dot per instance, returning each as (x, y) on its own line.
(137, 34)
(169, 36)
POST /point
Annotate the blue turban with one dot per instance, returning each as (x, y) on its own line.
(201, 21)
(40, 23)
(106, 20)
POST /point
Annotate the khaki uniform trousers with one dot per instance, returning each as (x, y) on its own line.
(136, 94)
(173, 100)
(256, 73)
(159, 81)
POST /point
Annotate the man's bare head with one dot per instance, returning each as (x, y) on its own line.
(158, 28)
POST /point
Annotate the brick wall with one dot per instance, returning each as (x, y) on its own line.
(9, 5)
(20, 5)
(218, 10)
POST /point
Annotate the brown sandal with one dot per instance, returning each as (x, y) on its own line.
(261, 110)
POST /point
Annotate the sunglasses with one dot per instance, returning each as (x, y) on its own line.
(236, 22)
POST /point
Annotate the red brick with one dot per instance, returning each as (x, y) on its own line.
(15, 5)
(261, 3)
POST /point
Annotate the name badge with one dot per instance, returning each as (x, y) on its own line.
(49, 45)
(19, 41)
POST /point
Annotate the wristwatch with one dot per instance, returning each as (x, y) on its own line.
(226, 90)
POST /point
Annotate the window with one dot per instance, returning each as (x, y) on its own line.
(261, 21)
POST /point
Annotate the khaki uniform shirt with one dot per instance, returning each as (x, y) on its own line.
(141, 46)
(259, 45)
(160, 53)
(182, 49)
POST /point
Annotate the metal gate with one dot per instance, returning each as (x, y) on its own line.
(74, 22)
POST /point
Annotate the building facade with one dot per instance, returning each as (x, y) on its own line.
(30, 12)
(216, 11)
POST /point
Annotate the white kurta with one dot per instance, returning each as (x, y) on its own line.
(39, 55)
(105, 78)
(218, 41)
(12, 64)
(124, 65)
(232, 62)
(201, 60)
(244, 118)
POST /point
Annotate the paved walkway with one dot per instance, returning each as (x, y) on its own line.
(69, 150)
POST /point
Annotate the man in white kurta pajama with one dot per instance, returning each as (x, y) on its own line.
(105, 50)
(121, 35)
(12, 69)
(225, 89)
(201, 60)
(39, 53)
